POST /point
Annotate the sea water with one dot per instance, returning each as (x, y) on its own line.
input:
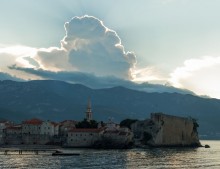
(119, 159)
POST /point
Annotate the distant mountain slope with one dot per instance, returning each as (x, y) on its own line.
(57, 100)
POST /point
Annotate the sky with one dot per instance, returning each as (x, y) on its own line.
(165, 42)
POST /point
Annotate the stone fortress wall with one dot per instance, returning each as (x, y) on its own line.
(174, 130)
(166, 130)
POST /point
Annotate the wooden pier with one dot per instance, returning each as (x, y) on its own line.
(24, 151)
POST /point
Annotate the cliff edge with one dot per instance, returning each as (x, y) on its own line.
(164, 130)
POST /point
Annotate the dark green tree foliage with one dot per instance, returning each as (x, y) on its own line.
(127, 123)
(86, 124)
(146, 137)
(102, 124)
(195, 125)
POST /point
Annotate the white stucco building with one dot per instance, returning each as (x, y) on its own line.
(49, 128)
(32, 126)
(3, 125)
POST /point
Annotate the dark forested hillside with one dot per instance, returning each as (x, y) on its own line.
(57, 100)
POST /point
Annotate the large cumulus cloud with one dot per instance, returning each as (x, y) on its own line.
(89, 46)
(89, 54)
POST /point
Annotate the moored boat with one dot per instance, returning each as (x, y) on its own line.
(60, 153)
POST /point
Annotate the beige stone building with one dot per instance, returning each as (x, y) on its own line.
(117, 135)
(65, 126)
(121, 136)
(84, 137)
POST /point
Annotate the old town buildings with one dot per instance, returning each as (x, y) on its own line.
(65, 133)
(159, 130)
(83, 137)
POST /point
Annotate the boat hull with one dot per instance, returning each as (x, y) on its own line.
(65, 154)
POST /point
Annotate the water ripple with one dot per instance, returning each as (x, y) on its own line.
(123, 159)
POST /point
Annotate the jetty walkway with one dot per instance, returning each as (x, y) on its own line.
(27, 149)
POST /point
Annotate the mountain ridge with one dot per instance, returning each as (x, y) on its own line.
(58, 100)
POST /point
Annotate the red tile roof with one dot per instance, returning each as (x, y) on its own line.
(33, 122)
(76, 130)
(55, 124)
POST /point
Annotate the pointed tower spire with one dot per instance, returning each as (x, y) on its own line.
(89, 111)
(89, 104)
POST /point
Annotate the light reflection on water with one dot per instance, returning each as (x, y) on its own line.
(122, 159)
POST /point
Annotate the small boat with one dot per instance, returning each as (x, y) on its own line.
(60, 153)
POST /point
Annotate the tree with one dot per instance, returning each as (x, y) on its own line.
(127, 123)
(146, 137)
(86, 124)
(195, 124)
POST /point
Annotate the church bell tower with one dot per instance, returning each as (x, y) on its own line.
(89, 111)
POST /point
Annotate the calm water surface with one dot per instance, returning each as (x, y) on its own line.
(120, 159)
